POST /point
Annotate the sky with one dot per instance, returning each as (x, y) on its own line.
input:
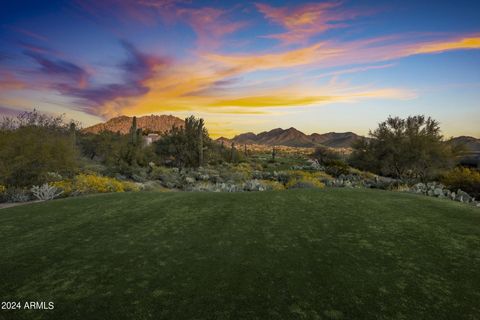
(318, 66)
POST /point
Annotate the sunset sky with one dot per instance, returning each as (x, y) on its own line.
(245, 66)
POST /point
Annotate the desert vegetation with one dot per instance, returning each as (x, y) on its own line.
(45, 157)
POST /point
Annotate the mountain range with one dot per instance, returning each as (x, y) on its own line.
(294, 138)
(280, 137)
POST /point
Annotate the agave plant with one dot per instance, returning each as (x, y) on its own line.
(45, 192)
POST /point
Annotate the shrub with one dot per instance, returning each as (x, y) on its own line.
(301, 179)
(305, 182)
(272, 185)
(465, 179)
(3, 193)
(322, 176)
(88, 183)
(237, 174)
(17, 195)
(363, 174)
(336, 168)
(325, 155)
(169, 177)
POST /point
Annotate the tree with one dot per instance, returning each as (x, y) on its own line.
(34, 145)
(185, 146)
(325, 155)
(411, 148)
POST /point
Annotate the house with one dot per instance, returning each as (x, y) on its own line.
(150, 138)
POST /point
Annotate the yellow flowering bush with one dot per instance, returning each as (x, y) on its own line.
(305, 182)
(3, 189)
(90, 183)
(272, 185)
(305, 179)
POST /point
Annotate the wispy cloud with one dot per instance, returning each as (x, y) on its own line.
(60, 68)
(210, 24)
(330, 54)
(303, 21)
(8, 81)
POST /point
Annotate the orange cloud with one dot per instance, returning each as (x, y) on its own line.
(305, 21)
(441, 46)
(332, 54)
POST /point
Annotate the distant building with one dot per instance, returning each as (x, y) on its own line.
(151, 137)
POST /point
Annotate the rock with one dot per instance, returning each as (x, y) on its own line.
(438, 192)
(430, 193)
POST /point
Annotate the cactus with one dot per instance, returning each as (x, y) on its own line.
(73, 135)
(245, 149)
(133, 131)
(274, 153)
(232, 153)
(200, 142)
(139, 135)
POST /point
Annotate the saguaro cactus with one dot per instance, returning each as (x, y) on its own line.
(274, 153)
(133, 131)
(73, 135)
(232, 153)
(139, 136)
(200, 142)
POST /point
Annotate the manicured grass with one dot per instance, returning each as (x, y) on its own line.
(302, 254)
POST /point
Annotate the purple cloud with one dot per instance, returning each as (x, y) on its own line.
(9, 112)
(74, 81)
(59, 68)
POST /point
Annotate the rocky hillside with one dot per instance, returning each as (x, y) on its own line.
(294, 138)
(122, 124)
(470, 143)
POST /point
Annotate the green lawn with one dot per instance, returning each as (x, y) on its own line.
(301, 254)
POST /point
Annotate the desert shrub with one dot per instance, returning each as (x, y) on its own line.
(322, 176)
(304, 182)
(236, 173)
(463, 178)
(363, 174)
(15, 194)
(3, 193)
(336, 168)
(324, 155)
(88, 183)
(272, 185)
(300, 179)
(170, 177)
